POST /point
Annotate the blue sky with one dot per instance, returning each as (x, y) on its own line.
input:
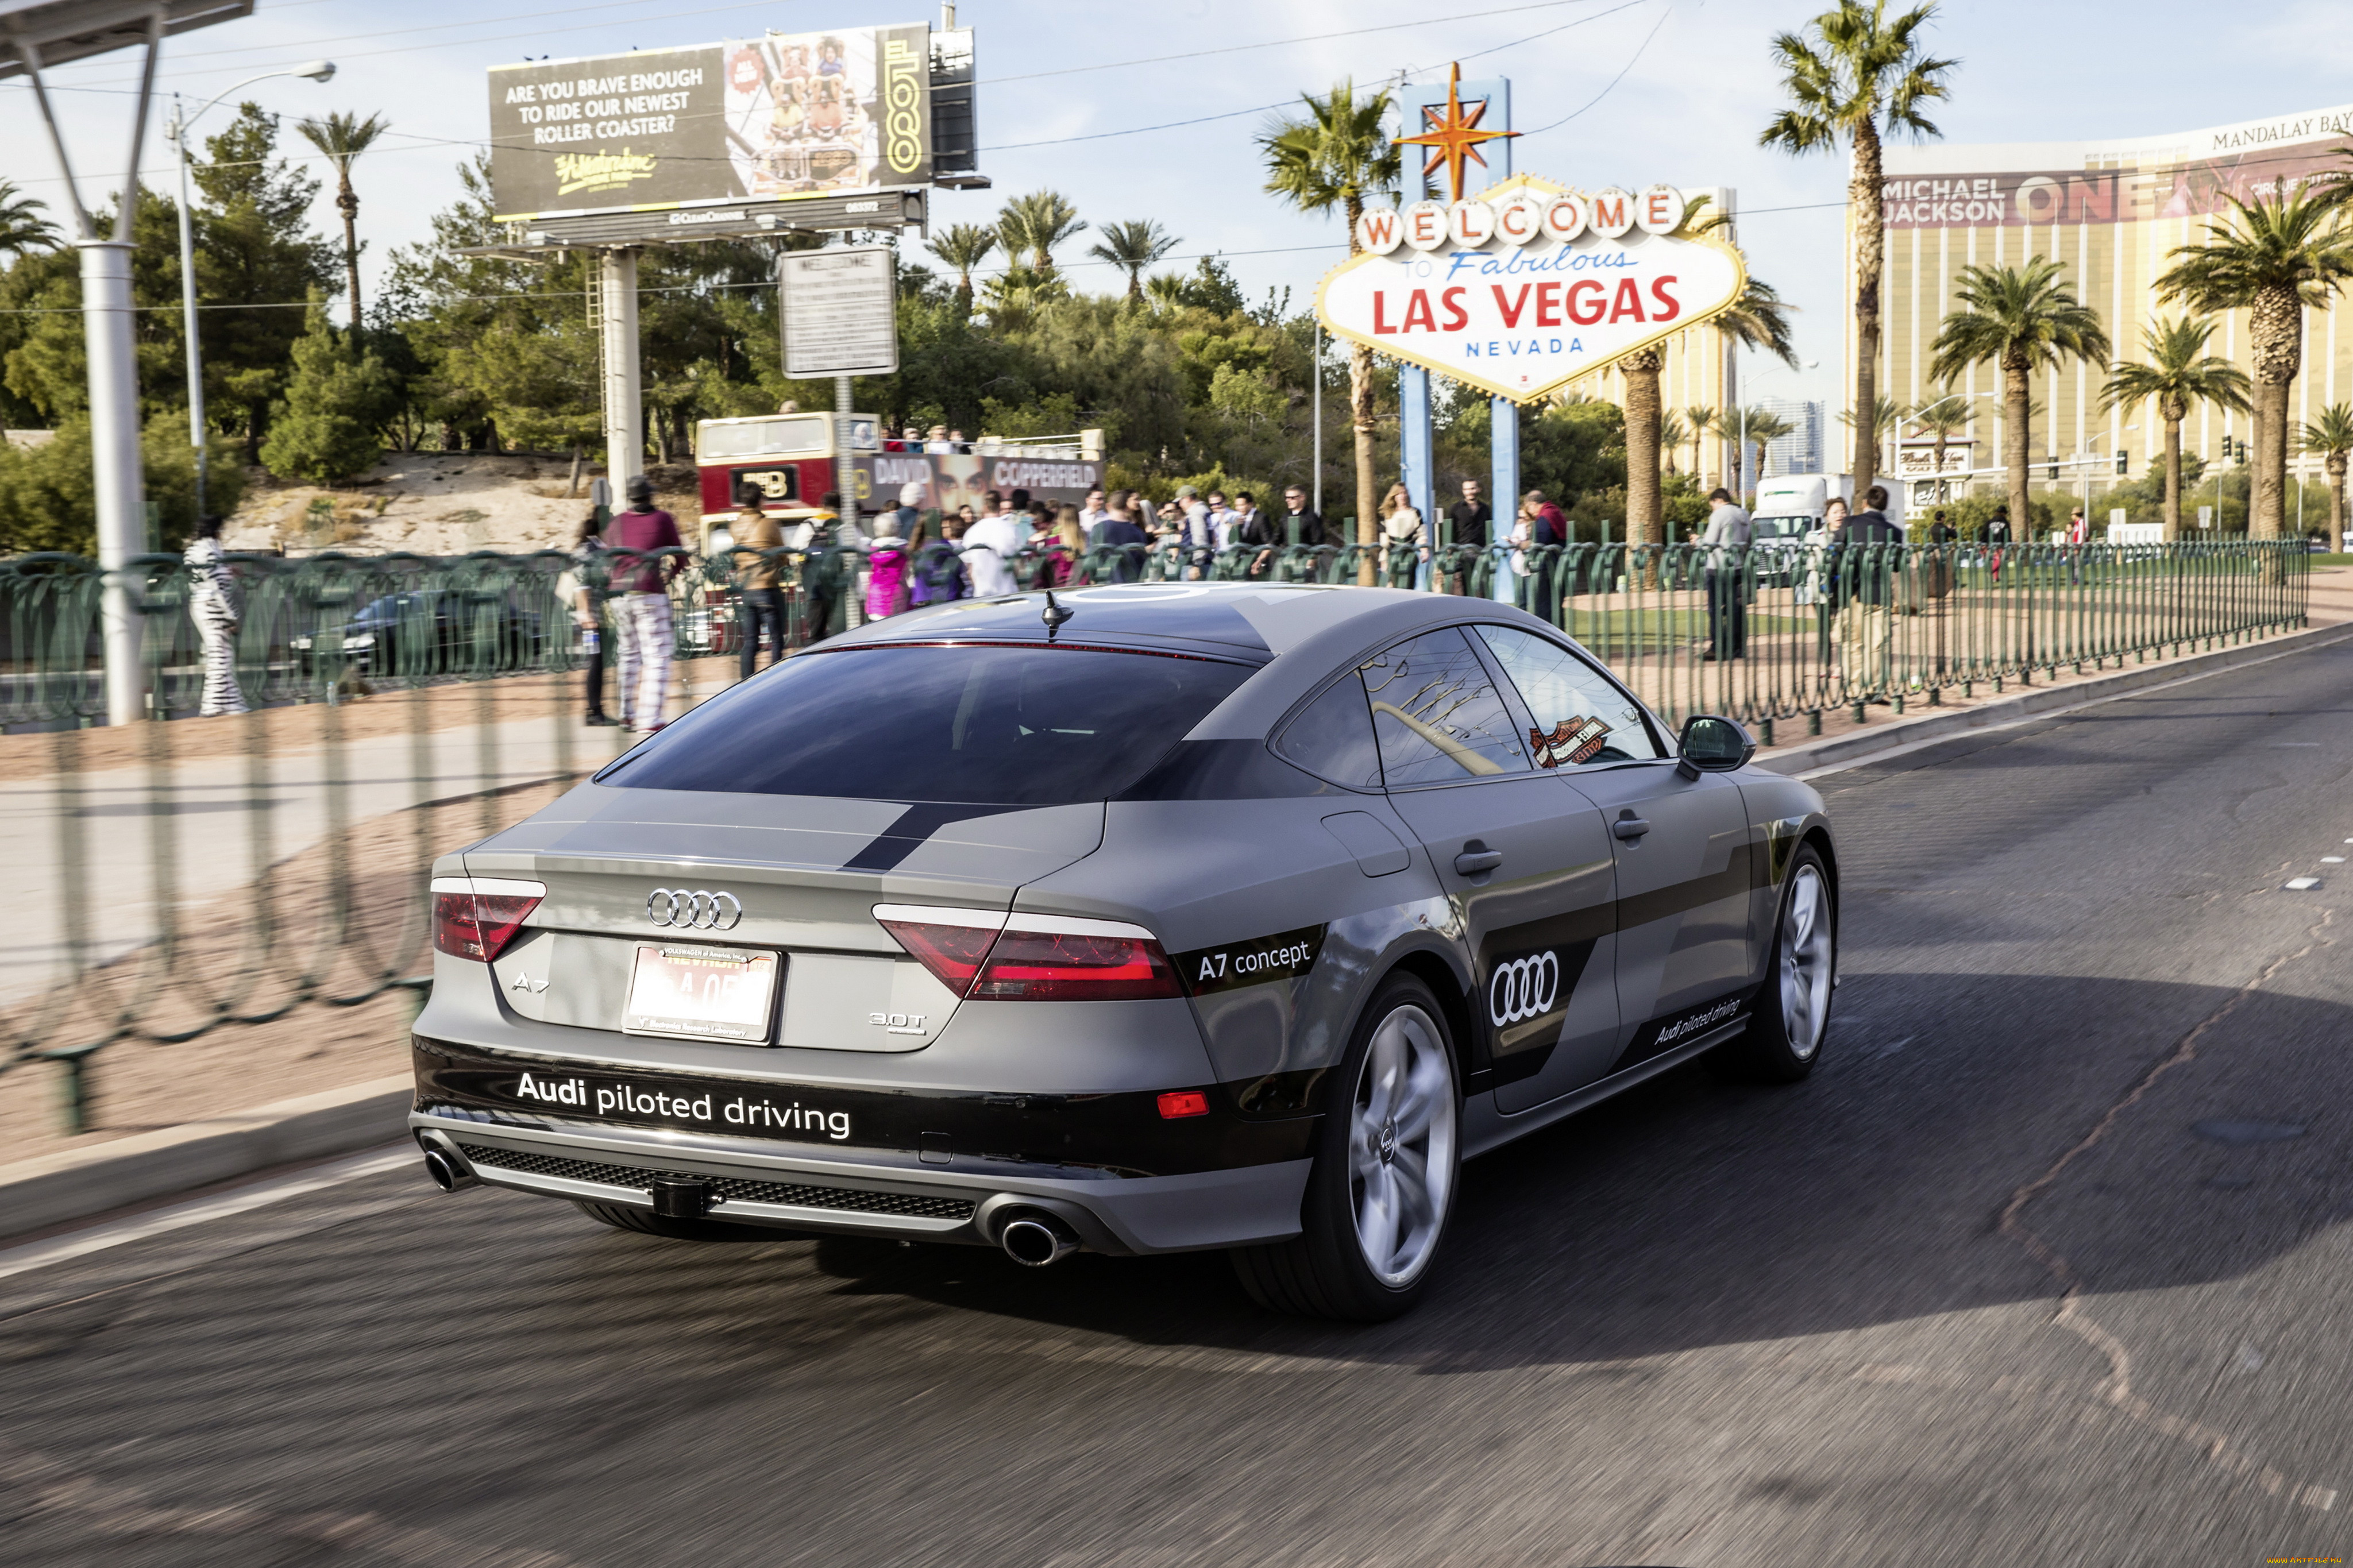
(1660, 89)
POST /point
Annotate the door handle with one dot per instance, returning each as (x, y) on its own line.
(1478, 863)
(1629, 826)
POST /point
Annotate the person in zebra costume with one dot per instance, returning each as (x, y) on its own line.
(215, 604)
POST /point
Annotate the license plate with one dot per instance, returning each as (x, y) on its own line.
(701, 993)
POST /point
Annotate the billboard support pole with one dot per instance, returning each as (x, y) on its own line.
(624, 389)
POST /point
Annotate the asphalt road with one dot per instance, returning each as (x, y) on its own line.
(2045, 1265)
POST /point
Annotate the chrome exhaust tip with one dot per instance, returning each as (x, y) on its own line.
(446, 1171)
(1035, 1241)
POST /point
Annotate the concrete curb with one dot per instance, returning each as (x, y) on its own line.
(55, 1188)
(1860, 746)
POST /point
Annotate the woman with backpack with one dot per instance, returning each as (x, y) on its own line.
(939, 568)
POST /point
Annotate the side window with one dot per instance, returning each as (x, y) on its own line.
(1580, 717)
(1438, 715)
(1333, 738)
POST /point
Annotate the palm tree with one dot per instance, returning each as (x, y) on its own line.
(22, 228)
(1037, 222)
(1016, 297)
(1699, 419)
(1759, 318)
(1132, 248)
(964, 247)
(2270, 258)
(1645, 501)
(2331, 435)
(1673, 433)
(343, 138)
(1860, 75)
(1887, 414)
(2023, 318)
(1757, 427)
(2179, 375)
(1334, 156)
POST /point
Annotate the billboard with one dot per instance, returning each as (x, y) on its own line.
(966, 478)
(790, 116)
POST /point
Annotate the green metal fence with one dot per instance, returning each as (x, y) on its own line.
(196, 875)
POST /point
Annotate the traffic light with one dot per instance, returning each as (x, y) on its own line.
(2120, 463)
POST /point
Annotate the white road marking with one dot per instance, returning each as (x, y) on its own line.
(219, 1205)
(2301, 884)
(2332, 859)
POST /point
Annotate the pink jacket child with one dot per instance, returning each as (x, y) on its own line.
(886, 590)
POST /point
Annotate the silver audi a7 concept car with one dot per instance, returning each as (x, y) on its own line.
(1136, 919)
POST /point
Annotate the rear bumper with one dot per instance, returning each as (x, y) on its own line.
(1125, 1182)
(1123, 1216)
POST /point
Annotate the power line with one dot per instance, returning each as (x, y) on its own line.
(1284, 43)
(1270, 107)
(1090, 136)
(1614, 81)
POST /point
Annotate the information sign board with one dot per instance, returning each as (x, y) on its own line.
(840, 312)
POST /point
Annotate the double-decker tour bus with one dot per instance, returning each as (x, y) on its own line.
(786, 460)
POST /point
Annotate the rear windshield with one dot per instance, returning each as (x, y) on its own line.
(994, 726)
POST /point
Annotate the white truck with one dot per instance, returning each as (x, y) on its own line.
(1792, 506)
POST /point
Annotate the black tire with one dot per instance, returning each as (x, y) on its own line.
(1785, 1038)
(644, 1222)
(1325, 1271)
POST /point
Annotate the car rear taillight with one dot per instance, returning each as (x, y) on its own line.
(1117, 963)
(951, 944)
(1033, 958)
(475, 917)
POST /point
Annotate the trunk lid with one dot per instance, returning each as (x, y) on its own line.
(805, 871)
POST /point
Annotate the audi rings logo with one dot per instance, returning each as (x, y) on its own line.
(1523, 988)
(693, 908)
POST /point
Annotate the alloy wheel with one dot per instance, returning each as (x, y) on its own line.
(1401, 1146)
(1806, 953)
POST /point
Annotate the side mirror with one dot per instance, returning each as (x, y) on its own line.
(1712, 744)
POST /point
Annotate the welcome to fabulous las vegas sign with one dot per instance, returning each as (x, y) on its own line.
(1530, 285)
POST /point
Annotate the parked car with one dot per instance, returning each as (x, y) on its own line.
(436, 631)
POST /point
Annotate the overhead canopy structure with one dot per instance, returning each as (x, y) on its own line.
(61, 31)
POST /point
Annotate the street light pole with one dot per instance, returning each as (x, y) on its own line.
(117, 477)
(176, 134)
